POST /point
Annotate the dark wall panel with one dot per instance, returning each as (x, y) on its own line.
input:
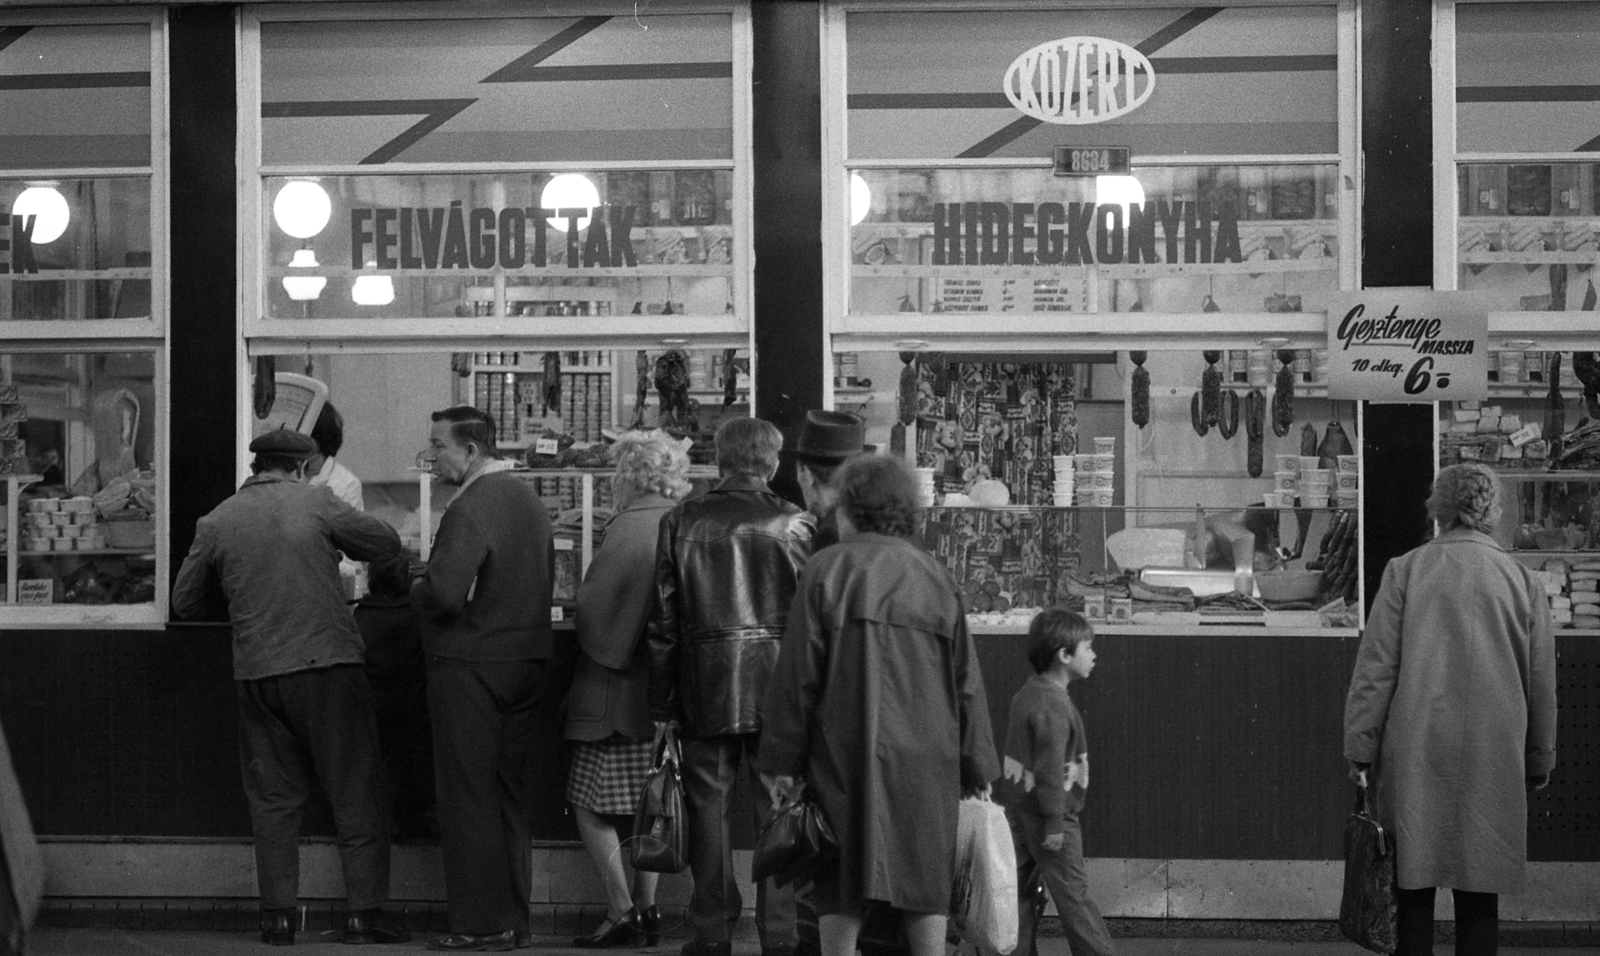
(1397, 143)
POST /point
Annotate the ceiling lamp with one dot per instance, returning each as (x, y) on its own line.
(373, 290)
(860, 199)
(302, 208)
(304, 288)
(47, 207)
(569, 191)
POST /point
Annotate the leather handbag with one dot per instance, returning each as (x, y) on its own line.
(660, 842)
(795, 843)
(1367, 909)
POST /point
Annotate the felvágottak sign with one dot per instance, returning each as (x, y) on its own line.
(1408, 345)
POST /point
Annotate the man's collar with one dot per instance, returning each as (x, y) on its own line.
(741, 483)
(265, 477)
(489, 467)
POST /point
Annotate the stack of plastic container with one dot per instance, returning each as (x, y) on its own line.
(1065, 480)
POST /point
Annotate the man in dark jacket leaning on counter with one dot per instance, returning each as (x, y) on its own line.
(485, 607)
(272, 550)
(726, 567)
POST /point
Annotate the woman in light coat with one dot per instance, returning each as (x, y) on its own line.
(607, 712)
(1452, 708)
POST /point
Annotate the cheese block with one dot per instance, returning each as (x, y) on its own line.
(1465, 415)
(1560, 602)
(1488, 426)
(1489, 411)
(1463, 428)
(1560, 618)
(1578, 575)
(1586, 620)
(1554, 566)
(1581, 599)
(1587, 564)
(1510, 424)
(1509, 452)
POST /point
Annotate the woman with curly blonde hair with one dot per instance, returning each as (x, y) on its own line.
(1452, 712)
(608, 714)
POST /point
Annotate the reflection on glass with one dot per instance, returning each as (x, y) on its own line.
(1168, 239)
(77, 432)
(476, 246)
(75, 249)
(1526, 234)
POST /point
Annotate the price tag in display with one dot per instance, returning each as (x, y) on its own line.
(1408, 345)
(36, 591)
(1092, 160)
(546, 446)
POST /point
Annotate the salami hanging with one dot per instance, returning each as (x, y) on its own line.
(1255, 420)
(1139, 390)
(1283, 396)
(1211, 389)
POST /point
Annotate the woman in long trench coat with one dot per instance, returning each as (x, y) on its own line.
(1453, 708)
(878, 706)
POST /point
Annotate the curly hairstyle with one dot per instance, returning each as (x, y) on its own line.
(1465, 495)
(652, 461)
(878, 493)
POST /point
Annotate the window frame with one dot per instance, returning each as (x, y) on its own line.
(115, 335)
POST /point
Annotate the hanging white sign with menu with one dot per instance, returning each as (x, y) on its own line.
(1408, 345)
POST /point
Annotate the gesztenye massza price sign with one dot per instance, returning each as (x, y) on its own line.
(1408, 345)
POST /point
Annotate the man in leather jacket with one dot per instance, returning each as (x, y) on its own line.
(727, 564)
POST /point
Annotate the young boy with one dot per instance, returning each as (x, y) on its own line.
(395, 670)
(1046, 775)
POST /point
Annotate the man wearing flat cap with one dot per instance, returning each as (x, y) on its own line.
(305, 708)
(826, 440)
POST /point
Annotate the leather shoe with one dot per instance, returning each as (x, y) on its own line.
(363, 927)
(701, 947)
(650, 923)
(476, 942)
(277, 927)
(623, 931)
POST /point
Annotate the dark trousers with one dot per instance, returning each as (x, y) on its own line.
(1477, 923)
(483, 718)
(710, 771)
(405, 750)
(1062, 873)
(294, 728)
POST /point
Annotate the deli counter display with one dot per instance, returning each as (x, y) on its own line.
(1540, 432)
(1161, 491)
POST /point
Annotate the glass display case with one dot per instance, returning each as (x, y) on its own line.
(1164, 489)
(1538, 431)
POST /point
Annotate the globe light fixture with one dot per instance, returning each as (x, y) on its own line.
(860, 199)
(372, 290)
(1121, 191)
(49, 211)
(304, 288)
(302, 208)
(569, 191)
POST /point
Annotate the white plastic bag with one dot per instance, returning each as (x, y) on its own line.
(983, 903)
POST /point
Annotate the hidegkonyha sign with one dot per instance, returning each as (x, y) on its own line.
(1408, 345)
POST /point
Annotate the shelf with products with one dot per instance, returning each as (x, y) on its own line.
(39, 573)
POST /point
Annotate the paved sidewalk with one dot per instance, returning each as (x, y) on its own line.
(115, 942)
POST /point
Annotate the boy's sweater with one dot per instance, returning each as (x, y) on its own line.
(1046, 756)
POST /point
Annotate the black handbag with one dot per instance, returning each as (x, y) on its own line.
(660, 842)
(795, 843)
(1367, 909)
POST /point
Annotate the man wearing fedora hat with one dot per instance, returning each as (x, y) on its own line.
(305, 709)
(826, 440)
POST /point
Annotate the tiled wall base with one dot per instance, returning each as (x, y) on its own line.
(179, 882)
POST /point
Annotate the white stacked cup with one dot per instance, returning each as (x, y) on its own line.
(1065, 478)
(1104, 478)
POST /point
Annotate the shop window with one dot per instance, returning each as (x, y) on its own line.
(537, 245)
(1525, 199)
(1094, 480)
(78, 463)
(82, 313)
(452, 175)
(1248, 238)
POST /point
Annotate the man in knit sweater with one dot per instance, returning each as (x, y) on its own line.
(485, 607)
(1044, 780)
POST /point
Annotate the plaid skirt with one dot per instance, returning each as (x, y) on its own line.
(607, 775)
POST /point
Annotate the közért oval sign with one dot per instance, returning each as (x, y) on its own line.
(1079, 80)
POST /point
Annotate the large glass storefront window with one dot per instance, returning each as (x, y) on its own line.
(1082, 257)
(82, 316)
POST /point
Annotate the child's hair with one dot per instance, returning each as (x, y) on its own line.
(1055, 629)
(391, 578)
